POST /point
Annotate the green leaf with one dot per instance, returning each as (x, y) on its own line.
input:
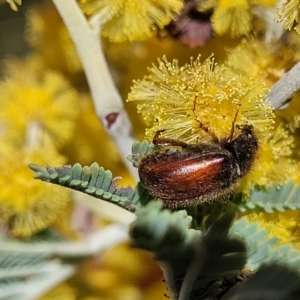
(95, 181)
(139, 150)
(193, 261)
(273, 199)
(261, 249)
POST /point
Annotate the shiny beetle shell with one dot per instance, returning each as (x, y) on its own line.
(185, 174)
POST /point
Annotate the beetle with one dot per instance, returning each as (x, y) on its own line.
(183, 174)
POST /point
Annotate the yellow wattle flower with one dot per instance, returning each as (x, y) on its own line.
(29, 95)
(255, 58)
(229, 16)
(37, 113)
(282, 225)
(27, 205)
(178, 99)
(131, 20)
(289, 14)
(291, 117)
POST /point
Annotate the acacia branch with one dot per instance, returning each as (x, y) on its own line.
(284, 89)
(107, 101)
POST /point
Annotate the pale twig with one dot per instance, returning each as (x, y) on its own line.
(104, 209)
(93, 243)
(284, 89)
(107, 101)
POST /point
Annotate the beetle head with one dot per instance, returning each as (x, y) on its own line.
(243, 148)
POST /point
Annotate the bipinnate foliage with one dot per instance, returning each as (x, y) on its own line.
(98, 182)
(272, 199)
(138, 150)
(95, 181)
(264, 250)
(194, 262)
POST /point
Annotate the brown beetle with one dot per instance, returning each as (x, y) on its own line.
(184, 174)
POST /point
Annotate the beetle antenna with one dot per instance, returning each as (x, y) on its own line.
(230, 138)
(203, 127)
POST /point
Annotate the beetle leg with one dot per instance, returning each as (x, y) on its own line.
(202, 126)
(158, 141)
(206, 129)
(230, 138)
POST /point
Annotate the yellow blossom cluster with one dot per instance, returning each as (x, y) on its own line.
(37, 116)
(289, 14)
(28, 206)
(45, 89)
(131, 20)
(283, 225)
(179, 100)
(256, 58)
(235, 17)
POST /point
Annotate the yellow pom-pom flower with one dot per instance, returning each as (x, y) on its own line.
(30, 94)
(229, 16)
(234, 17)
(257, 59)
(179, 100)
(289, 14)
(282, 225)
(27, 205)
(131, 20)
